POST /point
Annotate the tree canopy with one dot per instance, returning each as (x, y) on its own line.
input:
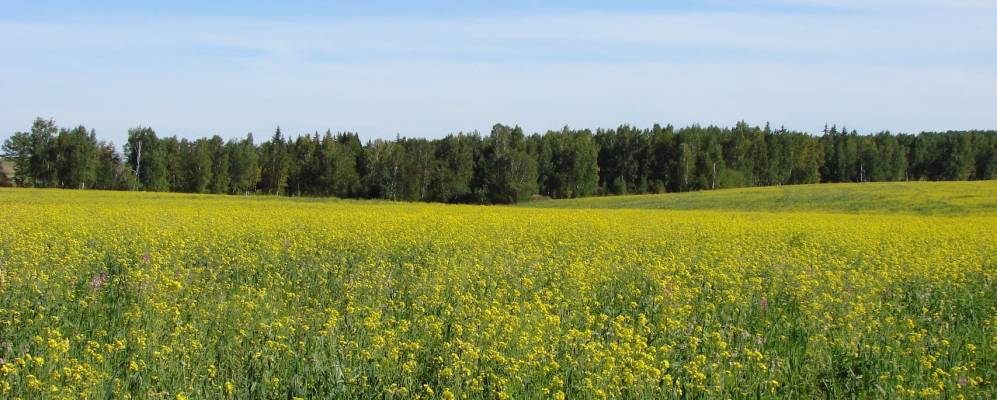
(506, 166)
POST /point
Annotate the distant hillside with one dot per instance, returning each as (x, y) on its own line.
(943, 198)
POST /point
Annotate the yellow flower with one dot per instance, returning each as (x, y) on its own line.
(379, 300)
(32, 382)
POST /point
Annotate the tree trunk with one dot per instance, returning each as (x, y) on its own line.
(713, 183)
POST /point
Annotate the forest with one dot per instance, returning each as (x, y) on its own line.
(505, 166)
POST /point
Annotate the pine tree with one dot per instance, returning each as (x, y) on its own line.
(276, 164)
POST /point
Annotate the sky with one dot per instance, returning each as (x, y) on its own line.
(430, 68)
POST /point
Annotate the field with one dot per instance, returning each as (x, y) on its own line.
(833, 291)
(925, 198)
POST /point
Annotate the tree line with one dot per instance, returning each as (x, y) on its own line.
(505, 166)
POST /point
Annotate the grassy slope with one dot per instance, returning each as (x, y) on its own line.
(941, 198)
(922, 198)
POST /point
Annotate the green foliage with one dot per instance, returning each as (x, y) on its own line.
(335, 168)
(147, 157)
(568, 163)
(505, 167)
(244, 165)
(276, 164)
(383, 163)
(221, 178)
(510, 173)
(111, 172)
(416, 169)
(199, 165)
(76, 158)
(452, 175)
(34, 154)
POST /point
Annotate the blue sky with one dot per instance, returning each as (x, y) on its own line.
(436, 67)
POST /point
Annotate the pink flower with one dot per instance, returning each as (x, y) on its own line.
(98, 280)
(963, 381)
(763, 304)
(146, 257)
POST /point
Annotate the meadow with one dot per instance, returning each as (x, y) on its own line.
(821, 291)
(922, 198)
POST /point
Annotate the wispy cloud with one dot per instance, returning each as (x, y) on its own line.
(926, 66)
(614, 37)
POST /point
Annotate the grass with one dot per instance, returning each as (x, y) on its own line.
(925, 198)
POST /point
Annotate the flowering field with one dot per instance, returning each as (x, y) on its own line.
(165, 296)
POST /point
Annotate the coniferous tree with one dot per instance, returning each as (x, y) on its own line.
(301, 175)
(505, 167)
(275, 164)
(986, 157)
(956, 158)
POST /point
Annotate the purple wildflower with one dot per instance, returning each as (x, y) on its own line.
(146, 257)
(963, 381)
(763, 304)
(98, 280)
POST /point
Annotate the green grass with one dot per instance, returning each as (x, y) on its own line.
(924, 198)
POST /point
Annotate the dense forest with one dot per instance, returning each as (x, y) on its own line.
(505, 166)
